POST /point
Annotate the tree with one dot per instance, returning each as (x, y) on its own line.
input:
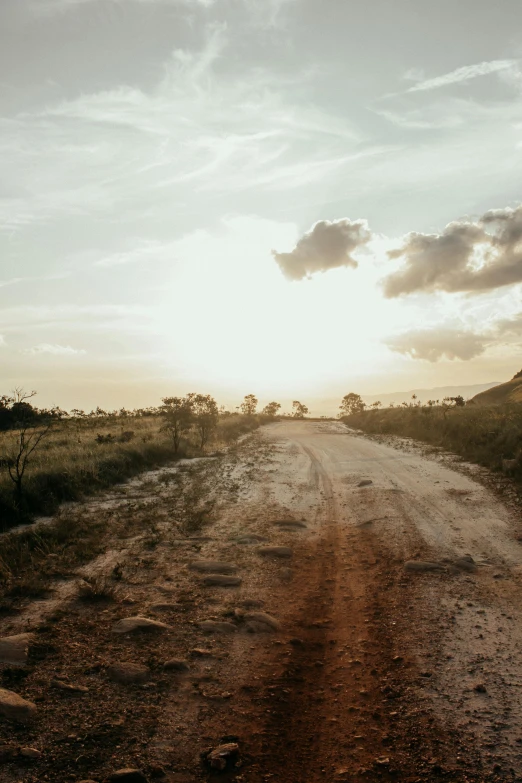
(30, 428)
(376, 405)
(249, 405)
(299, 410)
(350, 404)
(271, 409)
(178, 417)
(205, 414)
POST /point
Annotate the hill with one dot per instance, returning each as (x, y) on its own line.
(511, 391)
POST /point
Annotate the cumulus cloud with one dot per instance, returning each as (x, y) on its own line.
(55, 349)
(434, 344)
(328, 245)
(466, 256)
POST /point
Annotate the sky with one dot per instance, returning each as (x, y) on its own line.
(281, 197)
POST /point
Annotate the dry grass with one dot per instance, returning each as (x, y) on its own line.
(486, 435)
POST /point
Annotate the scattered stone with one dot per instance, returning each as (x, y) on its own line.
(218, 580)
(200, 652)
(14, 649)
(296, 642)
(365, 483)
(254, 627)
(68, 687)
(275, 551)
(176, 664)
(465, 563)
(213, 567)
(128, 673)
(15, 708)
(265, 619)
(422, 566)
(128, 776)
(382, 761)
(291, 524)
(480, 687)
(216, 626)
(30, 753)
(219, 757)
(134, 624)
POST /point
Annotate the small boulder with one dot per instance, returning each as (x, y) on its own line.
(219, 757)
(365, 483)
(219, 580)
(465, 563)
(215, 626)
(291, 525)
(15, 708)
(263, 618)
(213, 567)
(14, 649)
(30, 753)
(136, 624)
(275, 551)
(128, 673)
(68, 687)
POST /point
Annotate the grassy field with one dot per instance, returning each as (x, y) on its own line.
(80, 457)
(485, 435)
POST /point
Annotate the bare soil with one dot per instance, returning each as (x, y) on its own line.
(369, 671)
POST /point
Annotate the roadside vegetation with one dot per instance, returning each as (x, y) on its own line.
(51, 456)
(487, 435)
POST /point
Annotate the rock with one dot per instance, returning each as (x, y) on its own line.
(254, 627)
(213, 567)
(218, 580)
(136, 624)
(68, 687)
(264, 618)
(128, 776)
(219, 757)
(176, 664)
(200, 652)
(465, 563)
(480, 687)
(15, 708)
(365, 483)
(422, 566)
(275, 551)
(14, 649)
(215, 626)
(30, 753)
(128, 673)
(290, 524)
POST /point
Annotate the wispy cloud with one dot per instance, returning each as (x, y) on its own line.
(54, 349)
(464, 74)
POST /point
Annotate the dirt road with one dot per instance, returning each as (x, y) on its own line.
(327, 660)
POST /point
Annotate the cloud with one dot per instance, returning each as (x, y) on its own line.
(56, 350)
(467, 256)
(434, 344)
(2, 340)
(463, 74)
(328, 245)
